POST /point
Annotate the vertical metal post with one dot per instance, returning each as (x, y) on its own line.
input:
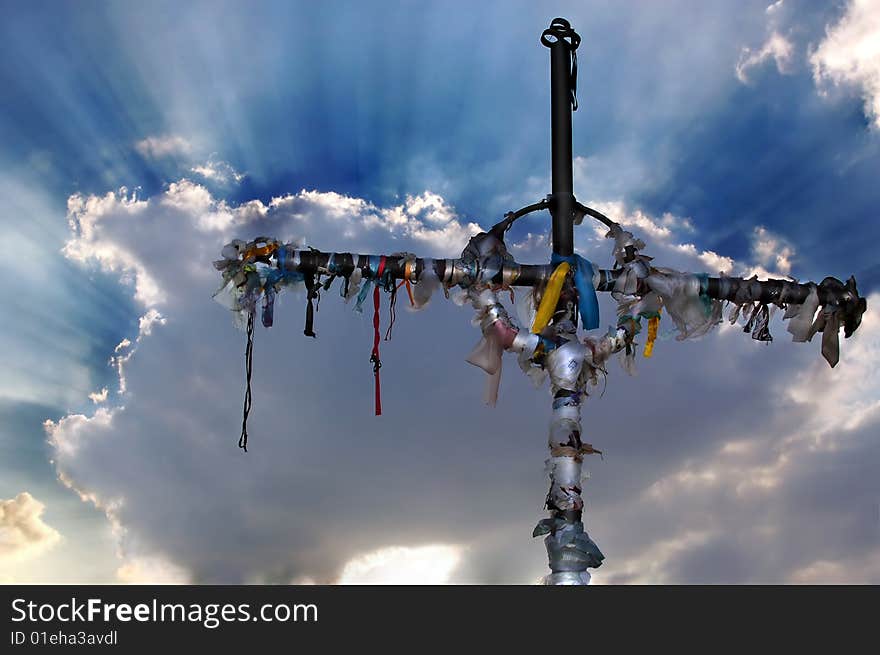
(569, 549)
(562, 41)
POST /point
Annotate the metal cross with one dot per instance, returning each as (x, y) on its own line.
(563, 293)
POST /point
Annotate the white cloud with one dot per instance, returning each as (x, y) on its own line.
(666, 239)
(121, 354)
(67, 434)
(769, 249)
(324, 482)
(219, 172)
(431, 207)
(423, 565)
(426, 219)
(777, 47)
(850, 54)
(169, 145)
(23, 533)
(711, 260)
(147, 321)
(165, 245)
(775, 7)
(98, 397)
(89, 244)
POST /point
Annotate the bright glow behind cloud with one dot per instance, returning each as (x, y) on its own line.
(403, 565)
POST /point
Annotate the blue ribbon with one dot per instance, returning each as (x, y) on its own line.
(373, 269)
(280, 273)
(704, 293)
(362, 294)
(588, 303)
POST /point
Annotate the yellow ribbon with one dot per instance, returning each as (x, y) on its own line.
(653, 324)
(550, 298)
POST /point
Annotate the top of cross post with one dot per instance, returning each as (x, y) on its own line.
(560, 31)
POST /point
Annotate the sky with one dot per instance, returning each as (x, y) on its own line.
(138, 139)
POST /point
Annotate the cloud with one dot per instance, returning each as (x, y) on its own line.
(426, 219)
(711, 260)
(325, 481)
(23, 533)
(846, 402)
(777, 47)
(218, 172)
(850, 571)
(67, 434)
(98, 397)
(769, 249)
(165, 244)
(89, 244)
(654, 567)
(826, 421)
(430, 207)
(665, 235)
(151, 570)
(158, 147)
(849, 54)
(775, 7)
(531, 244)
(403, 565)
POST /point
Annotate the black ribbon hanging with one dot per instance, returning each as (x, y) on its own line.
(310, 307)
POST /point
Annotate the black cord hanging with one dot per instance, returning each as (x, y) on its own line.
(392, 312)
(248, 365)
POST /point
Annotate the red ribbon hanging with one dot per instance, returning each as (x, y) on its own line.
(374, 357)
